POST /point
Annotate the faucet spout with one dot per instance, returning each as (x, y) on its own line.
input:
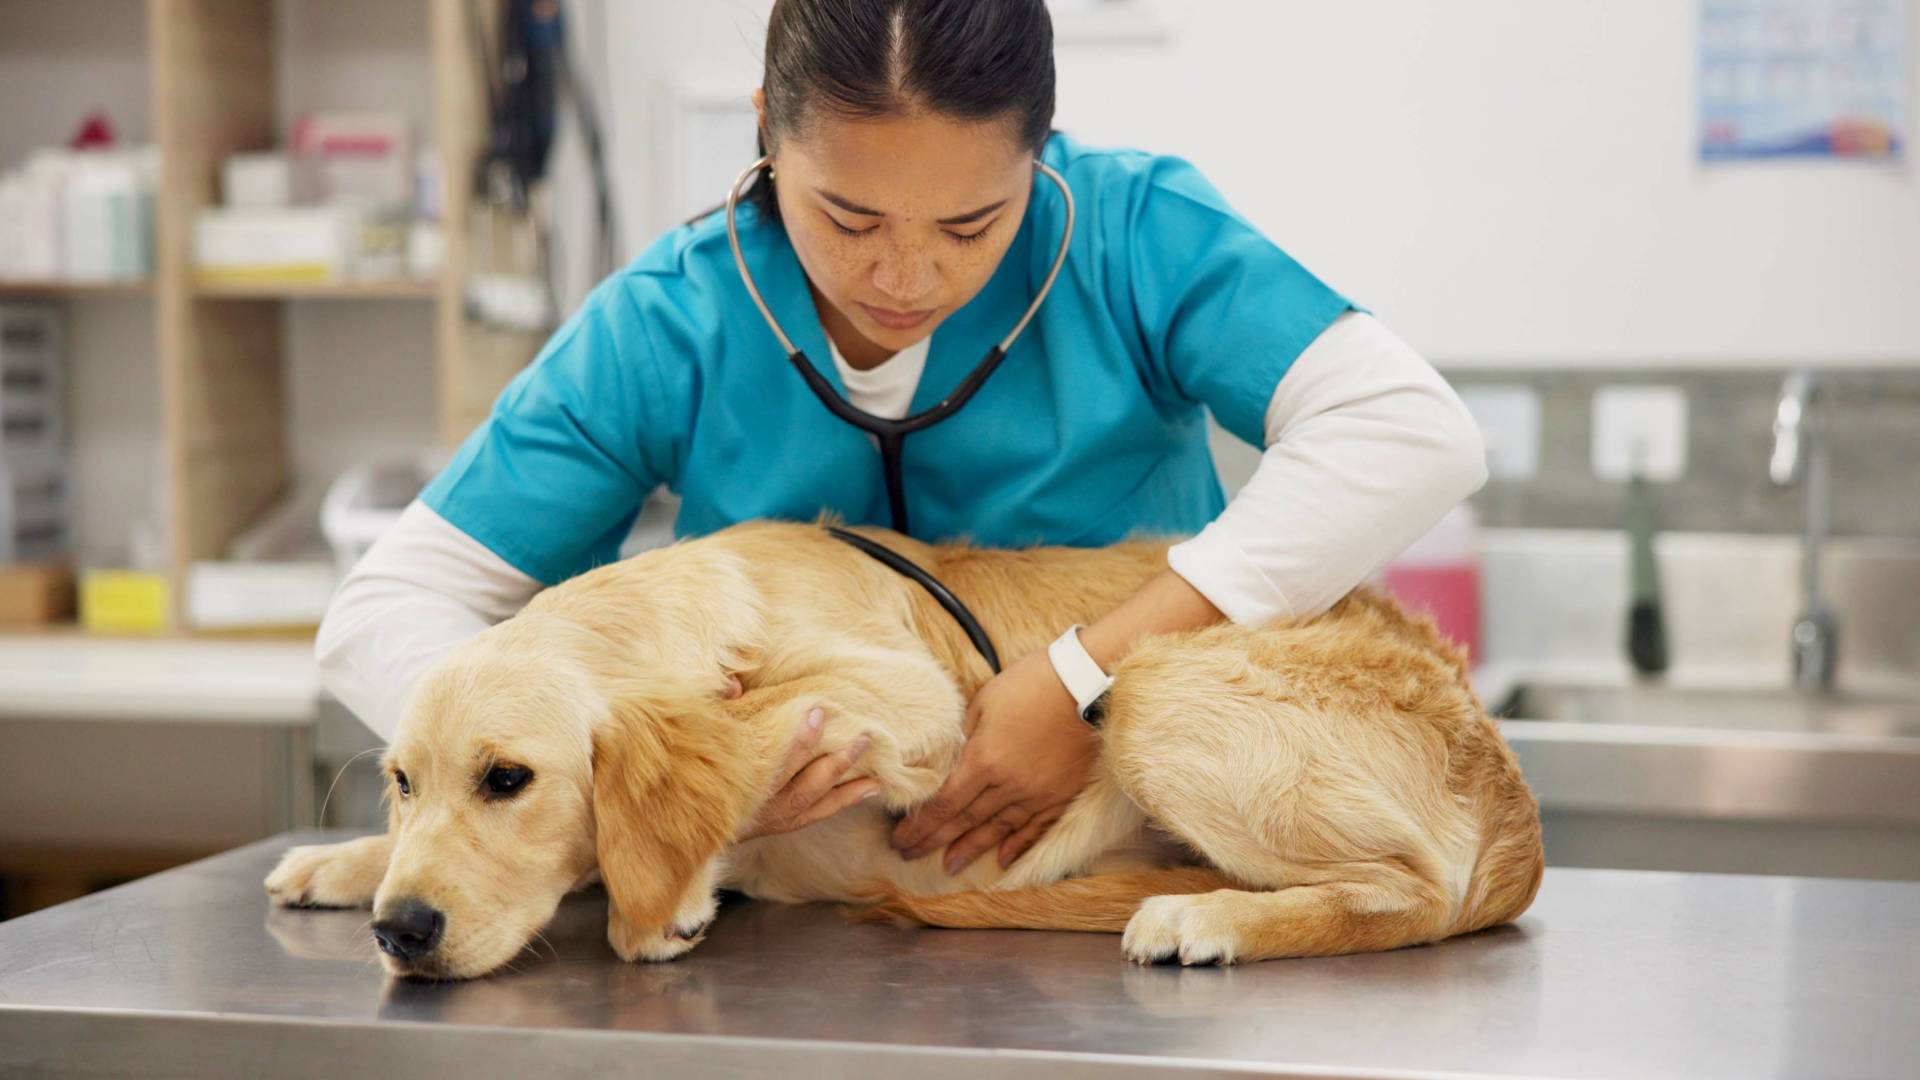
(1790, 428)
(1800, 456)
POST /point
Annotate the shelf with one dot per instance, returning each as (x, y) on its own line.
(383, 289)
(56, 289)
(210, 80)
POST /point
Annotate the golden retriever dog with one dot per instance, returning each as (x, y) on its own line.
(1323, 787)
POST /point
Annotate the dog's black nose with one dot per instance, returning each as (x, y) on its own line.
(409, 931)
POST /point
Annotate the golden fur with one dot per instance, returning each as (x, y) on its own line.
(1325, 787)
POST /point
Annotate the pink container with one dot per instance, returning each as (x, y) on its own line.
(1440, 575)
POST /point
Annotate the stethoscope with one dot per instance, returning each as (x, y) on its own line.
(891, 433)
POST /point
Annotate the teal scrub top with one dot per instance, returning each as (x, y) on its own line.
(1094, 428)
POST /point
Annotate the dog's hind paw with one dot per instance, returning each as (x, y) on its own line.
(1192, 929)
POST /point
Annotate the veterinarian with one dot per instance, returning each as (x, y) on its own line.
(901, 232)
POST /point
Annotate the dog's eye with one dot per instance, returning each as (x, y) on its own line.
(400, 781)
(506, 780)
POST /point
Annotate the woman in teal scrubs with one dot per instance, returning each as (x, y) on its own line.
(903, 224)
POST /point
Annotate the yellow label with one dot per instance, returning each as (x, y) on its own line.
(123, 602)
(266, 274)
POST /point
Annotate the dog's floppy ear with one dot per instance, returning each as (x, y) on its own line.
(667, 796)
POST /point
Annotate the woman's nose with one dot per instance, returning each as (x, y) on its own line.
(905, 276)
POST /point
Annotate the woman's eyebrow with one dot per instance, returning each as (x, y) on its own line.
(852, 207)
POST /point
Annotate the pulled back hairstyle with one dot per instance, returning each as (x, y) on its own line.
(976, 60)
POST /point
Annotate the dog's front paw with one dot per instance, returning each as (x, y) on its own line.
(1193, 929)
(656, 943)
(330, 875)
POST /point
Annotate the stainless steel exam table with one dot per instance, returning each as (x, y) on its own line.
(1611, 974)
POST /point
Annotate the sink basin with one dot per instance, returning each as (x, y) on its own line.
(1755, 709)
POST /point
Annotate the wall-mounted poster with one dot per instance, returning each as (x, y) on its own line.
(1803, 78)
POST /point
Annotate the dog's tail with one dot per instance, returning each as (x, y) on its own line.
(1103, 902)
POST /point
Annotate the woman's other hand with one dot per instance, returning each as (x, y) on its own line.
(1027, 755)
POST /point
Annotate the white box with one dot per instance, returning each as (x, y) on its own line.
(35, 205)
(258, 181)
(257, 595)
(426, 249)
(106, 215)
(360, 159)
(304, 243)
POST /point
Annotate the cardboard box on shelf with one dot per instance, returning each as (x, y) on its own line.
(35, 593)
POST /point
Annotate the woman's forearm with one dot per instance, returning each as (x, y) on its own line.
(1163, 605)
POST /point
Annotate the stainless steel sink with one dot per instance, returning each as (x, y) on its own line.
(1721, 765)
(1743, 779)
(1783, 710)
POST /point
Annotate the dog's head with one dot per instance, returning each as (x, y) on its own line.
(552, 743)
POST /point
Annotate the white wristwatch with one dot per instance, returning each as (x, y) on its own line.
(1082, 676)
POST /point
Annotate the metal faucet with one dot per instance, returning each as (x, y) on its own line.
(1800, 455)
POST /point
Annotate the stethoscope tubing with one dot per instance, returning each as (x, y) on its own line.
(891, 433)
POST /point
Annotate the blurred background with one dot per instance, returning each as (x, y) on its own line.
(264, 262)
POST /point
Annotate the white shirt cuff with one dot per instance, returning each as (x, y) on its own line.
(1216, 566)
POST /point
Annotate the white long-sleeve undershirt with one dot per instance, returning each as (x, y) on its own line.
(1367, 448)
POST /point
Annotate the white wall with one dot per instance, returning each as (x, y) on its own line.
(55, 70)
(1505, 182)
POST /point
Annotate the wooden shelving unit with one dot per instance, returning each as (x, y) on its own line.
(221, 352)
(394, 289)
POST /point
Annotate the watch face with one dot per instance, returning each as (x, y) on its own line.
(1096, 710)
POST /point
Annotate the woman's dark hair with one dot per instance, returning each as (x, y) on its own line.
(865, 59)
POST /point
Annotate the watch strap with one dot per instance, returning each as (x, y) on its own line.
(1079, 672)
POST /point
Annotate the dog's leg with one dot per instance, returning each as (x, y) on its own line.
(907, 706)
(687, 928)
(1311, 762)
(1103, 902)
(331, 875)
(1100, 819)
(1333, 918)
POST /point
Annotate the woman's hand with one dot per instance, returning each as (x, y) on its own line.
(809, 791)
(1027, 755)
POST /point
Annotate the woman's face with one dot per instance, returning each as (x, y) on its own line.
(899, 221)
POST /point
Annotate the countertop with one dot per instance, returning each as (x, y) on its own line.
(71, 675)
(1611, 974)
